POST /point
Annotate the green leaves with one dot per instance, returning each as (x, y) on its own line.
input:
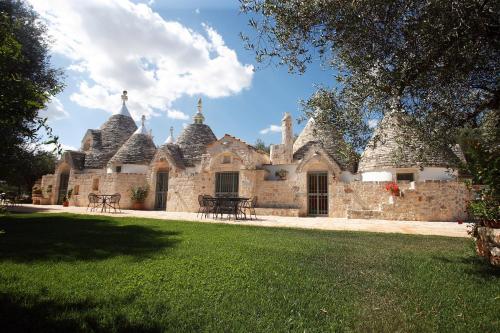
(439, 58)
(27, 82)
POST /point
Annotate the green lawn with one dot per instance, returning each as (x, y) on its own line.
(61, 272)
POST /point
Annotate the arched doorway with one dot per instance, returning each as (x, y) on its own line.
(63, 186)
(317, 193)
(161, 189)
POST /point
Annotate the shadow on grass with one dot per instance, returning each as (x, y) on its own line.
(65, 238)
(27, 209)
(22, 314)
(473, 265)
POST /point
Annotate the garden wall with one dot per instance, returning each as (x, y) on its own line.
(425, 201)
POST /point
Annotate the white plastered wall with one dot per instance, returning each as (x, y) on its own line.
(429, 173)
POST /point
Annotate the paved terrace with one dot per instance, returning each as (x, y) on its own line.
(451, 229)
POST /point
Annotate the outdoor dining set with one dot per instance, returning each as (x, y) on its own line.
(237, 207)
(104, 202)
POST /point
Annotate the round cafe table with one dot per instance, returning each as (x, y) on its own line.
(103, 201)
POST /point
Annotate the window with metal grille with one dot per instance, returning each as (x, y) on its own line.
(226, 184)
(405, 176)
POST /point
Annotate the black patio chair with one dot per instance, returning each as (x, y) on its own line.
(226, 207)
(114, 202)
(93, 202)
(206, 205)
(249, 206)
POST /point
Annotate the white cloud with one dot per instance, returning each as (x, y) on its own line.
(175, 114)
(372, 123)
(271, 129)
(118, 45)
(197, 10)
(50, 147)
(54, 110)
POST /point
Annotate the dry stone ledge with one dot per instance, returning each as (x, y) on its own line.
(488, 244)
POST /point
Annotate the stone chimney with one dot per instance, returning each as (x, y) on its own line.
(283, 153)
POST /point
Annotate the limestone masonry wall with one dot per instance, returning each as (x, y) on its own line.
(426, 201)
(277, 194)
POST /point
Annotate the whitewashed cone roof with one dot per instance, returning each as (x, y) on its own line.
(170, 138)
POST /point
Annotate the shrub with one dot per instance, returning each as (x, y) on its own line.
(139, 193)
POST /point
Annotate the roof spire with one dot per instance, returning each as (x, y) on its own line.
(198, 117)
(142, 129)
(124, 110)
(124, 96)
(170, 138)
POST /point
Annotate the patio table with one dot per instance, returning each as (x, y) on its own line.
(228, 205)
(103, 201)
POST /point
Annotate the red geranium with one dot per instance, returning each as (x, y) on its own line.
(393, 188)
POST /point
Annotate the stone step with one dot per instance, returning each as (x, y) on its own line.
(363, 214)
(291, 212)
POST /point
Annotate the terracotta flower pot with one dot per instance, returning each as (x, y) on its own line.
(65, 203)
(138, 205)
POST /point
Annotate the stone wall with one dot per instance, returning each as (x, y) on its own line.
(488, 244)
(277, 194)
(83, 184)
(425, 201)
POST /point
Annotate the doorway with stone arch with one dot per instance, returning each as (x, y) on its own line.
(161, 189)
(63, 185)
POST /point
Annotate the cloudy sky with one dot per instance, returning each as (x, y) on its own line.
(167, 54)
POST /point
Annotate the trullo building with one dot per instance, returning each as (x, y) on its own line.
(308, 177)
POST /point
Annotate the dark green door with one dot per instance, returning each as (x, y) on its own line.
(317, 193)
(63, 187)
(161, 190)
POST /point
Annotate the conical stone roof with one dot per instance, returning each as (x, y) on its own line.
(396, 146)
(112, 135)
(193, 142)
(138, 149)
(329, 141)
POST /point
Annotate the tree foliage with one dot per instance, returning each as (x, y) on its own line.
(437, 61)
(482, 151)
(261, 145)
(35, 164)
(27, 82)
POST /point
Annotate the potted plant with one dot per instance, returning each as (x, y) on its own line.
(45, 200)
(281, 174)
(67, 197)
(36, 195)
(393, 188)
(138, 195)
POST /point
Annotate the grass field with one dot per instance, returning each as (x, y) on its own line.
(61, 272)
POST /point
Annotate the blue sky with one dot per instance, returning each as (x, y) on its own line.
(236, 100)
